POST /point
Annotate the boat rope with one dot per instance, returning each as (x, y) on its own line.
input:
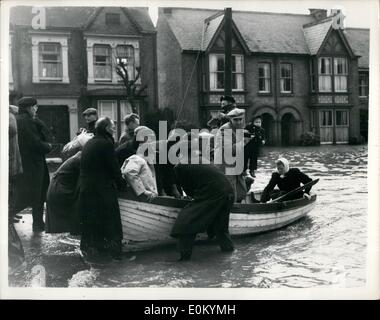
(191, 76)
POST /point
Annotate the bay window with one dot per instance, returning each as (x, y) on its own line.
(216, 65)
(102, 62)
(50, 60)
(325, 73)
(340, 74)
(125, 55)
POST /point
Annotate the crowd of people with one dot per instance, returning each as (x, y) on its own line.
(82, 195)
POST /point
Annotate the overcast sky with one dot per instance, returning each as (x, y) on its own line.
(357, 12)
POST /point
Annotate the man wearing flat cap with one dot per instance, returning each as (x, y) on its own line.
(227, 103)
(229, 141)
(90, 115)
(32, 184)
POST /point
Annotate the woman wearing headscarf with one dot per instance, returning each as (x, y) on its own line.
(286, 179)
(138, 169)
(62, 195)
(98, 207)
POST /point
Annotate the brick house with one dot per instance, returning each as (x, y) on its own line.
(68, 64)
(298, 72)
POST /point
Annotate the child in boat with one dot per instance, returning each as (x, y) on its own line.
(253, 147)
(287, 179)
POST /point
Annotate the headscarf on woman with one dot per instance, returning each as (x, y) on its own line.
(286, 165)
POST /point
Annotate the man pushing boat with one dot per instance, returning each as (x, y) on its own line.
(213, 197)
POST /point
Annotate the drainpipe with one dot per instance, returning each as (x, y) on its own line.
(277, 122)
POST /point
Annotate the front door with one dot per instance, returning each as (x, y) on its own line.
(56, 118)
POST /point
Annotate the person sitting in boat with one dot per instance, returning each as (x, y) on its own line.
(213, 197)
(62, 194)
(138, 169)
(287, 179)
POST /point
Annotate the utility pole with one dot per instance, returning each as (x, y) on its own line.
(228, 51)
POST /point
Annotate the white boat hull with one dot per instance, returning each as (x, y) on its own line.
(146, 224)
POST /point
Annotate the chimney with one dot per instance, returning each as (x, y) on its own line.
(318, 14)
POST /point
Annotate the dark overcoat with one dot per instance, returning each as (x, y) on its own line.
(213, 198)
(32, 184)
(62, 196)
(98, 205)
(291, 180)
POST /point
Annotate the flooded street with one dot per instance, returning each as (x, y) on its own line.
(327, 248)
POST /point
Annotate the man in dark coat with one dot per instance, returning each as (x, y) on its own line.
(32, 184)
(213, 197)
(98, 205)
(287, 179)
(227, 103)
(131, 122)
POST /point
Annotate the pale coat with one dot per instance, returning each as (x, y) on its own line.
(139, 174)
(233, 171)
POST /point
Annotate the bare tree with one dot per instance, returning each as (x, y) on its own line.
(132, 88)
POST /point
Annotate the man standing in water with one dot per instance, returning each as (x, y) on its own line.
(210, 208)
(232, 163)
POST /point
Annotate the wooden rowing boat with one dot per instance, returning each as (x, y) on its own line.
(148, 224)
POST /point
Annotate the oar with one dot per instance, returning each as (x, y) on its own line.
(290, 193)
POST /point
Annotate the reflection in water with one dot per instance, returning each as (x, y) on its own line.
(327, 248)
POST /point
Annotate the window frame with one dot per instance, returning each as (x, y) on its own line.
(290, 78)
(331, 111)
(347, 118)
(268, 78)
(365, 86)
(131, 69)
(336, 74)
(234, 73)
(62, 39)
(97, 79)
(59, 63)
(327, 75)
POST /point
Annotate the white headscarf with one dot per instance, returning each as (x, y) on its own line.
(285, 163)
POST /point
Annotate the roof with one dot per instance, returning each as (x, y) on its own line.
(315, 34)
(76, 17)
(359, 42)
(262, 31)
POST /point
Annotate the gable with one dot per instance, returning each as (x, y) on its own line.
(111, 20)
(334, 44)
(218, 43)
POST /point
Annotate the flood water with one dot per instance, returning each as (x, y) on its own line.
(326, 248)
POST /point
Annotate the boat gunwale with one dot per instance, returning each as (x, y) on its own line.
(244, 208)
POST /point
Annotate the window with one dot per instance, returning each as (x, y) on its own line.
(50, 60)
(216, 62)
(341, 118)
(107, 108)
(50, 57)
(312, 76)
(264, 77)
(324, 70)
(286, 77)
(102, 62)
(325, 118)
(363, 84)
(112, 19)
(340, 74)
(126, 55)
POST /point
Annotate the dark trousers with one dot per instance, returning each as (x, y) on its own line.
(186, 241)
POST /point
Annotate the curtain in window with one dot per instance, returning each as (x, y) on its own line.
(340, 71)
(50, 60)
(264, 77)
(107, 108)
(213, 71)
(102, 62)
(238, 70)
(286, 77)
(324, 79)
